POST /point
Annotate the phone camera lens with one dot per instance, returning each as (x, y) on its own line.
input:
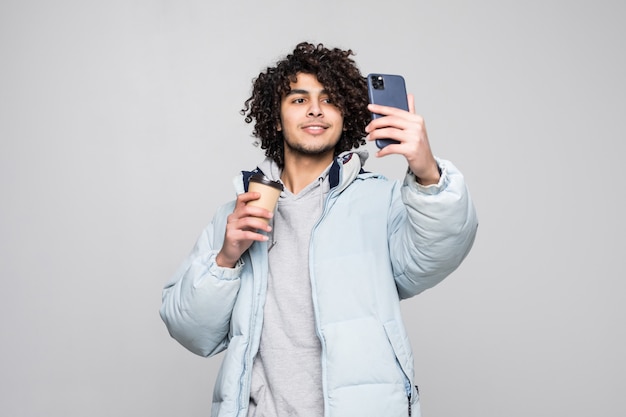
(378, 83)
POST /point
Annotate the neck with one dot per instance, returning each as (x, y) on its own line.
(300, 171)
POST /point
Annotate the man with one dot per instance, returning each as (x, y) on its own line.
(307, 307)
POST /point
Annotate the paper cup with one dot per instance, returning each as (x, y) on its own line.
(269, 190)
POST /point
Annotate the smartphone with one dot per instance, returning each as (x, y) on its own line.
(387, 90)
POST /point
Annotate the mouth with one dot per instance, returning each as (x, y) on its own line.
(315, 128)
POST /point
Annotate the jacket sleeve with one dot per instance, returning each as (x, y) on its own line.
(432, 230)
(198, 301)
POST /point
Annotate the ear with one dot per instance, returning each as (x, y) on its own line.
(279, 126)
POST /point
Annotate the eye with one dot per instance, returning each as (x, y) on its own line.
(298, 100)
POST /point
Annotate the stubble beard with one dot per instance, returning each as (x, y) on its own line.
(313, 150)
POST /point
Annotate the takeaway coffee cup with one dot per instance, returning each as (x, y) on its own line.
(269, 190)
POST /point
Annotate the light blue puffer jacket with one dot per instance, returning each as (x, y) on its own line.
(378, 241)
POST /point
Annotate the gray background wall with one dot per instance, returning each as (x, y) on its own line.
(120, 132)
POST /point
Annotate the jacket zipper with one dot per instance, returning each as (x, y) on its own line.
(325, 206)
(409, 405)
(247, 361)
(410, 396)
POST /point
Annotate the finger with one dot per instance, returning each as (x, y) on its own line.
(384, 110)
(258, 222)
(251, 210)
(243, 208)
(249, 218)
(390, 110)
(389, 150)
(387, 133)
(402, 123)
(242, 239)
(249, 236)
(249, 196)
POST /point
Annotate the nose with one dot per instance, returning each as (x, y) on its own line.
(315, 110)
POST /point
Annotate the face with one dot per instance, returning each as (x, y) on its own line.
(310, 122)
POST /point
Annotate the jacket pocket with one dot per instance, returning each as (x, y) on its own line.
(401, 348)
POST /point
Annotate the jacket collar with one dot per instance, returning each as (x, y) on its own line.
(344, 169)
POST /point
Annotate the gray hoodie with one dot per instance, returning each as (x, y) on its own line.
(287, 372)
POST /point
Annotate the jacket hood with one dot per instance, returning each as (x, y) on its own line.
(344, 169)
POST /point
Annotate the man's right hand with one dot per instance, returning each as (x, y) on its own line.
(242, 229)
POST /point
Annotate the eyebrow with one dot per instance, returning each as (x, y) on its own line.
(301, 91)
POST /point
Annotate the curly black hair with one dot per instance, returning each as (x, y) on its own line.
(339, 75)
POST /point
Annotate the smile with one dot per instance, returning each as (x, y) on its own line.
(315, 128)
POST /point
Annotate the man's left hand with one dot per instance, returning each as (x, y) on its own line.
(409, 129)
